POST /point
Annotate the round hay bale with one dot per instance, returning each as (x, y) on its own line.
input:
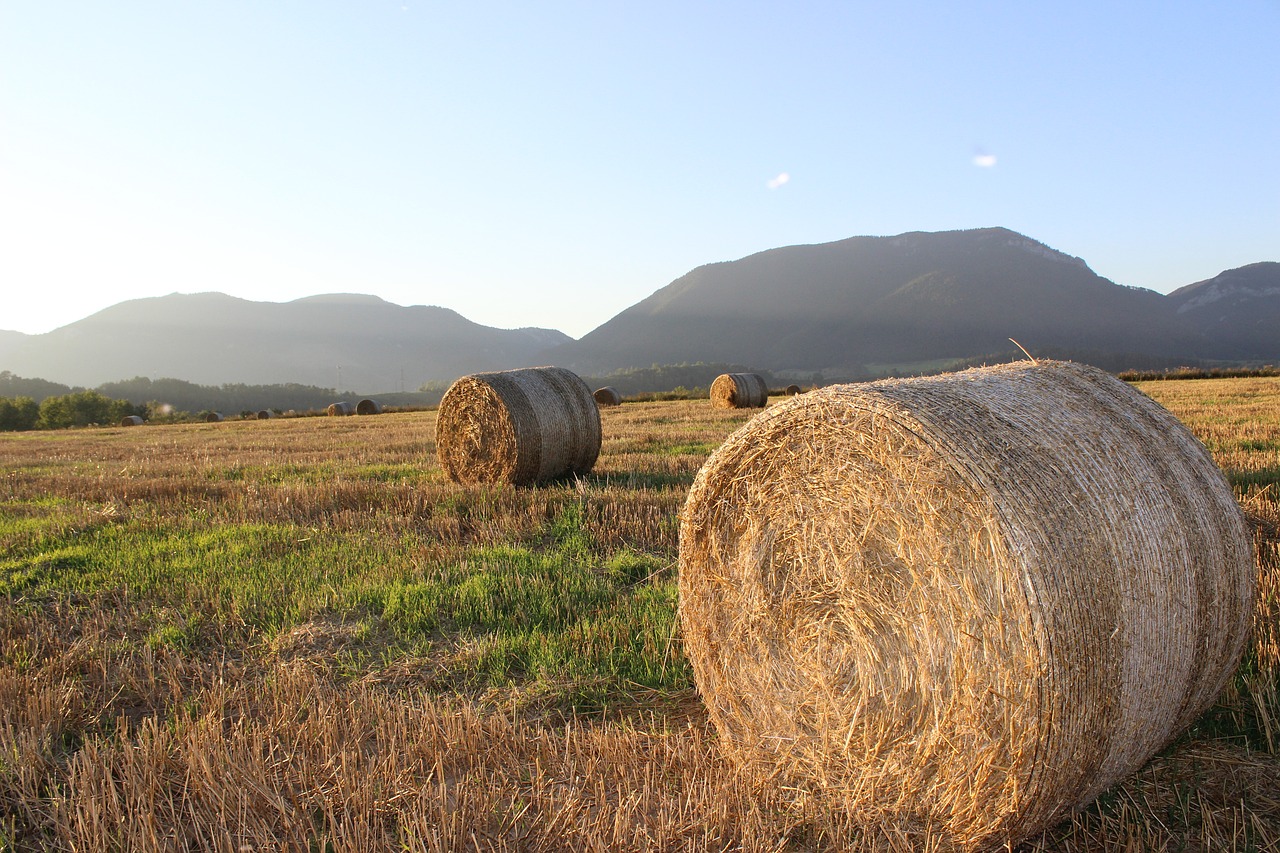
(739, 391)
(517, 426)
(131, 420)
(265, 414)
(368, 407)
(793, 390)
(340, 409)
(213, 417)
(963, 605)
(607, 396)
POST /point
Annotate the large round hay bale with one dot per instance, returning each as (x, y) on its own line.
(131, 420)
(340, 408)
(265, 414)
(368, 407)
(517, 426)
(213, 417)
(607, 396)
(739, 391)
(963, 605)
(792, 390)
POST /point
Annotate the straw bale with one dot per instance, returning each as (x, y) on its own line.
(793, 390)
(213, 417)
(962, 606)
(131, 420)
(517, 426)
(368, 407)
(340, 408)
(739, 391)
(607, 396)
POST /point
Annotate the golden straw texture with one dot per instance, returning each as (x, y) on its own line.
(607, 396)
(962, 606)
(739, 391)
(517, 426)
(368, 407)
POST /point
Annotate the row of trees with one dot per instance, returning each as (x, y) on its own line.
(79, 408)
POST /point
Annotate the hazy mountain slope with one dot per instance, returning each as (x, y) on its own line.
(211, 338)
(9, 341)
(911, 297)
(1238, 309)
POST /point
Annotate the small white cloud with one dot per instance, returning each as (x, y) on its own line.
(779, 180)
(984, 160)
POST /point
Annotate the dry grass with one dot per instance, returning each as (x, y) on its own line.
(315, 730)
(518, 426)
(962, 605)
(739, 391)
(607, 396)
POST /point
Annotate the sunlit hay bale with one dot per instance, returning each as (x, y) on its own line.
(266, 414)
(793, 390)
(368, 407)
(607, 396)
(739, 391)
(340, 409)
(962, 606)
(131, 420)
(213, 417)
(517, 426)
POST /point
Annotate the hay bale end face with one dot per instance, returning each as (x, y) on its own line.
(368, 407)
(213, 417)
(739, 391)
(131, 420)
(969, 602)
(607, 396)
(265, 414)
(792, 390)
(340, 409)
(517, 426)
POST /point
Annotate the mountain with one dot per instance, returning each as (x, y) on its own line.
(848, 309)
(1238, 309)
(874, 300)
(338, 340)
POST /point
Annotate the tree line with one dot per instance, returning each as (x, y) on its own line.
(41, 404)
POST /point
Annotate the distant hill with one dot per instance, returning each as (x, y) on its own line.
(854, 308)
(873, 300)
(365, 343)
(1239, 310)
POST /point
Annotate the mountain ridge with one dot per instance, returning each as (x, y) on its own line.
(844, 309)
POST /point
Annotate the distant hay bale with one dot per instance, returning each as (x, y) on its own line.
(607, 396)
(739, 391)
(131, 420)
(793, 390)
(213, 417)
(368, 407)
(962, 606)
(266, 414)
(339, 409)
(517, 426)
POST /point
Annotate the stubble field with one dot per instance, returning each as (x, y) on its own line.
(296, 634)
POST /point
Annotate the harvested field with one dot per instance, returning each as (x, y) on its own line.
(302, 635)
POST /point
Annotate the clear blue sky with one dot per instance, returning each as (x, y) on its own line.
(551, 163)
